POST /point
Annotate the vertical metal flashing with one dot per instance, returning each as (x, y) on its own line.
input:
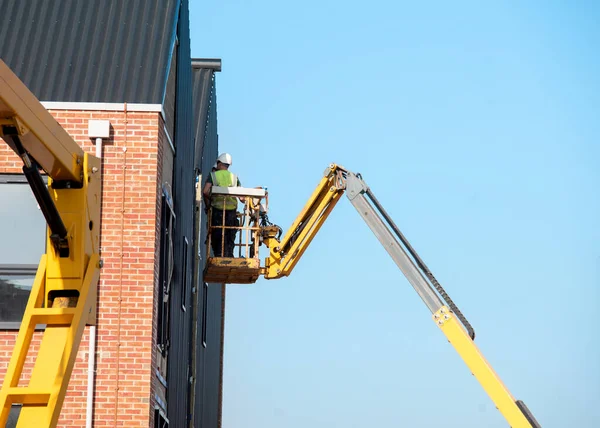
(172, 44)
(178, 394)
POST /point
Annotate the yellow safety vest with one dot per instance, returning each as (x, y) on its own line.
(224, 178)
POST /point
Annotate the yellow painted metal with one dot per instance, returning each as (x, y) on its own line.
(41, 135)
(480, 368)
(43, 396)
(75, 277)
(286, 253)
(227, 270)
(311, 218)
(308, 208)
(63, 296)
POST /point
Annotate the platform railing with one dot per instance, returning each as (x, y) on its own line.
(246, 228)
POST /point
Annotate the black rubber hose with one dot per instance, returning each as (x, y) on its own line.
(422, 266)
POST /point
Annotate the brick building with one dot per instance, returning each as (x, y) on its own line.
(157, 354)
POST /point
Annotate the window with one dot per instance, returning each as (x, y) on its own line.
(15, 286)
(184, 275)
(204, 312)
(23, 231)
(13, 416)
(167, 226)
(160, 421)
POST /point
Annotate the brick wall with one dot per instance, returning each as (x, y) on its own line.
(132, 178)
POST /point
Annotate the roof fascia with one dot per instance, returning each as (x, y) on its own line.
(59, 105)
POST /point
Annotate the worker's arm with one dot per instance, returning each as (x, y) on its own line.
(206, 194)
(241, 198)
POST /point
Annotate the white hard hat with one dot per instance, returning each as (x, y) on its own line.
(224, 158)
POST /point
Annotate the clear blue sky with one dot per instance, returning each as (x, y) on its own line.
(478, 128)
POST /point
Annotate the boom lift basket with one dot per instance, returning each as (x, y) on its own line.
(237, 260)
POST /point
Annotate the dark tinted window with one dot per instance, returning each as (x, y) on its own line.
(165, 275)
(13, 416)
(23, 229)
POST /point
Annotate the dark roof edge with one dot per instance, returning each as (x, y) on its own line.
(171, 50)
(207, 63)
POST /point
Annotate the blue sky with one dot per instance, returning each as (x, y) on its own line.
(477, 127)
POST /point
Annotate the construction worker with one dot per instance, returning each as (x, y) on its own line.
(224, 208)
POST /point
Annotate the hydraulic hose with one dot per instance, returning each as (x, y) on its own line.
(422, 266)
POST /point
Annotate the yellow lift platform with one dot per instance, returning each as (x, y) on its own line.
(245, 268)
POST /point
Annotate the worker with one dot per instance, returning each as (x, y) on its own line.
(224, 208)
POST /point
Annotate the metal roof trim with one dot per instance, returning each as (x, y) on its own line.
(207, 63)
(173, 45)
(75, 105)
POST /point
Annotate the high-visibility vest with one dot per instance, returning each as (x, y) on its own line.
(224, 178)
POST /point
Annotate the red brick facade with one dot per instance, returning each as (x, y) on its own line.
(133, 167)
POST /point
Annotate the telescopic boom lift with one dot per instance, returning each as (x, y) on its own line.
(284, 254)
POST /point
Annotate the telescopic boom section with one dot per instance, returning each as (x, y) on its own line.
(445, 313)
(285, 254)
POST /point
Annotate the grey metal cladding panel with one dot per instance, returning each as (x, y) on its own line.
(212, 358)
(200, 353)
(211, 137)
(208, 360)
(89, 50)
(169, 103)
(202, 94)
(209, 155)
(183, 192)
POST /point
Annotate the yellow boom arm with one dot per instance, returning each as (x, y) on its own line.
(284, 254)
(63, 294)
